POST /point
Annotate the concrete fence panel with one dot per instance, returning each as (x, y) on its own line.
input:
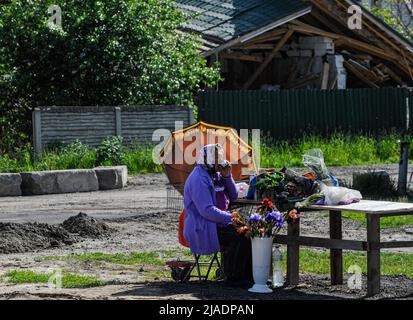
(90, 125)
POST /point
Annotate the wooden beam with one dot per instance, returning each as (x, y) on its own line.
(326, 72)
(359, 45)
(313, 30)
(268, 36)
(338, 11)
(258, 46)
(359, 75)
(268, 59)
(241, 56)
(393, 75)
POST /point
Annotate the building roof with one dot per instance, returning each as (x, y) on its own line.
(224, 20)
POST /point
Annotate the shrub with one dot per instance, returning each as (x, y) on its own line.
(110, 151)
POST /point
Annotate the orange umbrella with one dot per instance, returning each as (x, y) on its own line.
(180, 153)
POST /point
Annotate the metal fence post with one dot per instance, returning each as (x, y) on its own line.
(118, 120)
(37, 131)
(403, 167)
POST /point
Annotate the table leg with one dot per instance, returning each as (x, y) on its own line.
(293, 254)
(336, 255)
(373, 254)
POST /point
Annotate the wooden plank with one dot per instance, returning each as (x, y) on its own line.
(241, 56)
(326, 71)
(382, 208)
(336, 255)
(322, 242)
(307, 29)
(293, 255)
(373, 255)
(268, 59)
(396, 244)
(359, 75)
(394, 75)
(258, 46)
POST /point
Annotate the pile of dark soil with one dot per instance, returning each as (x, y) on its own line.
(24, 237)
(86, 226)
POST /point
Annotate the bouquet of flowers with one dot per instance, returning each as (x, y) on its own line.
(266, 222)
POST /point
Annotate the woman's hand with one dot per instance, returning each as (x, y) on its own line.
(226, 171)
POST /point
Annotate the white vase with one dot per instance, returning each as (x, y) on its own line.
(261, 262)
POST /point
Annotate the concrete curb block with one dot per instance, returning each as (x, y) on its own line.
(112, 177)
(59, 181)
(10, 184)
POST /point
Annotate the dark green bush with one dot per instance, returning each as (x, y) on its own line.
(112, 52)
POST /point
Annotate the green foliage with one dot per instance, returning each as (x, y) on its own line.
(110, 151)
(69, 280)
(395, 14)
(139, 159)
(269, 182)
(112, 52)
(338, 150)
(132, 258)
(391, 263)
(385, 223)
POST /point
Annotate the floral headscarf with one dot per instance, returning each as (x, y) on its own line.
(209, 151)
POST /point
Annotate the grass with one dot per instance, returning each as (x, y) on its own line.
(69, 280)
(391, 263)
(385, 223)
(132, 258)
(339, 150)
(311, 261)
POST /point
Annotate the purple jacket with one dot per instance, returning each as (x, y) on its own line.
(202, 214)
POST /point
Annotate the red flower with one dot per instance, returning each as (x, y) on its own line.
(294, 215)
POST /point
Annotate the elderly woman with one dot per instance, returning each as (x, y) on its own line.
(209, 226)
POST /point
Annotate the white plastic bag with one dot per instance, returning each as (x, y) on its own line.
(314, 159)
(242, 190)
(340, 196)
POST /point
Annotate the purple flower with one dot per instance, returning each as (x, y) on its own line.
(275, 217)
(256, 217)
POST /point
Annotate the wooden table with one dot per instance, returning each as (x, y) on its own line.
(373, 211)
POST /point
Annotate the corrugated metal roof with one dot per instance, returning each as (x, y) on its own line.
(228, 19)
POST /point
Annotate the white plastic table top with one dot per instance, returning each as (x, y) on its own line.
(371, 207)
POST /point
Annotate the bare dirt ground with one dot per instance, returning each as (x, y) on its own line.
(138, 214)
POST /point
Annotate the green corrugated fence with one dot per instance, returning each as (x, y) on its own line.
(287, 114)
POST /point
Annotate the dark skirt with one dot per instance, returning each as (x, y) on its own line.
(236, 254)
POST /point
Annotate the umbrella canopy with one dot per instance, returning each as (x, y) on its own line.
(180, 153)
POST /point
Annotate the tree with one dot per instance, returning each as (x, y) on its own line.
(396, 13)
(107, 52)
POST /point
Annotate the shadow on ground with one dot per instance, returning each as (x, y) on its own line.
(312, 287)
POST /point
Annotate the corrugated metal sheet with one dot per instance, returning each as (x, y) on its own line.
(289, 114)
